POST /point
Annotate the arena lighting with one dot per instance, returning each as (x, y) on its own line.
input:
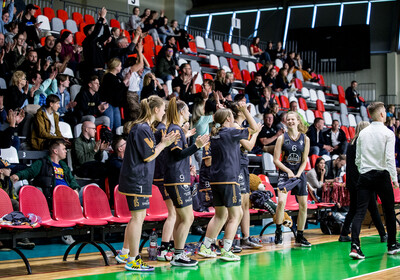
(270, 9)
(368, 13)
(209, 25)
(257, 22)
(314, 16)
(286, 27)
(200, 15)
(246, 11)
(231, 30)
(341, 15)
(186, 22)
(222, 13)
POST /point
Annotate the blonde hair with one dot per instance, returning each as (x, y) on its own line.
(174, 108)
(301, 127)
(147, 79)
(16, 77)
(374, 107)
(360, 126)
(219, 77)
(147, 107)
(112, 64)
(219, 118)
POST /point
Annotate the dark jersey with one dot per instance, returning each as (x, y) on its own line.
(160, 160)
(177, 172)
(137, 169)
(225, 153)
(204, 178)
(292, 152)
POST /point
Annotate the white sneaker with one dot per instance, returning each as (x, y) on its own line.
(67, 239)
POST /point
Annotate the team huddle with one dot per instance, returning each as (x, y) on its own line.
(158, 153)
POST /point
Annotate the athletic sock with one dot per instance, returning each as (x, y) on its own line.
(171, 244)
(299, 233)
(178, 251)
(124, 251)
(208, 241)
(279, 227)
(227, 244)
(164, 245)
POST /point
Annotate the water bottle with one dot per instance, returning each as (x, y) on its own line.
(153, 246)
(236, 240)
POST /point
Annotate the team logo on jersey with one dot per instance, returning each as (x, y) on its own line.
(241, 178)
(287, 142)
(186, 187)
(301, 142)
(149, 142)
(293, 159)
(182, 178)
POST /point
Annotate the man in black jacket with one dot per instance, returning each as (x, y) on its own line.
(88, 105)
(352, 96)
(318, 146)
(255, 89)
(336, 138)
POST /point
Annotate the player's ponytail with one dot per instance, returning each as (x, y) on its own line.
(174, 108)
(219, 118)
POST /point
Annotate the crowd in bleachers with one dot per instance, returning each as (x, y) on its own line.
(88, 75)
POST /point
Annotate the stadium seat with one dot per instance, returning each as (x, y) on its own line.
(71, 26)
(246, 76)
(268, 186)
(345, 120)
(321, 80)
(119, 130)
(209, 44)
(158, 210)
(358, 119)
(158, 49)
(327, 118)
(127, 35)
(352, 120)
(251, 66)
(199, 79)
(79, 37)
(66, 130)
(89, 19)
(302, 113)
(305, 93)
(38, 11)
(346, 131)
(244, 50)
(192, 46)
(181, 61)
(223, 62)
(57, 24)
(49, 13)
(313, 95)
(318, 114)
(227, 47)
(200, 44)
(320, 106)
(195, 66)
(336, 116)
(214, 61)
(279, 63)
(303, 103)
(32, 200)
(74, 90)
(258, 66)
(78, 18)
(343, 109)
(207, 76)
(334, 89)
(352, 132)
(121, 208)
(299, 75)
(310, 116)
(63, 15)
(114, 23)
(10, 154)
(313, 159)
(82, 26)
(77, 130)
(235, 49)
(342, 97)
(3, 84)
(284, 102)
(218, 46)
(363, 112)
(298, 83)
(321, 96)
(148, 41)
(242, 65)
(45, 22)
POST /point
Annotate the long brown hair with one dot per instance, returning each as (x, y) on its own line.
(219, 118)
(174, 108)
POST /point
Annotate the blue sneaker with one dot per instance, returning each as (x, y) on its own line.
(137, 264)
(121, 258)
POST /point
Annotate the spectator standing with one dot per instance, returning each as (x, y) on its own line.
(352, 95)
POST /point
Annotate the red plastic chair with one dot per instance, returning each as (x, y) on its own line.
(308, 165)
(158, 49)
(38, 11)
(32, 200)
(148, 40)
(284, 102)
(321, 80)
(78, 18)
(97, 206)
(192, 46)
(352, 132)
(278, 101)
(79, 37)
(318, 114)
(67, 208)
(298, 84)
(158, 210)
(268, 186)
(313, 159)
(49, 13)
(227, 47)
(82, 26)
(320, 106)
(258, 66)
(114, 23)
(277, 68)
(121, 208)
(246, 76)
(303, 104)
(396, 193)
(233, 63)
(318, 204)
(342, 96)
(199, 88)
(128, 36)
(205, 215)
(207, 76)
(43, 41)
(89, 19)
(63, 15)
(346, 131)
(291, 203)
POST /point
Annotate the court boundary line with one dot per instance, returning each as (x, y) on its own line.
(370, 273)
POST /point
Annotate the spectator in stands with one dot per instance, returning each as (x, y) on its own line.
(390, 121)
(316, 176)
(41, 89)
(255, 89)
(6, 16)
(290, 59)
(223, 84)
(257, 52)
(114, 164)
(124, 48)
(66, 104)
(88, 105)
(271, 51)
(151, 28)
(12, 30)
(93, 46)
(73, 52)
(18, 93)
(298, 63)
(151, 86)
(274, 110)
(7, 138)
(29, 25)
(336, 138)
(19, 50)
(184, 83)
(61, 64)
(47, 51)
(31, 64)
(267, 98)
(283, 122)
(335, 168)
(294, 107)
(87, 154)
(165, 68)
(165, 30)
(181, 36)
(115, 34)
(282, 81)
(45, 123)
(266, 140)
(113, 90)
(280, 52)
(352, 96)
(135, 20)
(270, 78)
(318, 146)
(390, 110)
(206, 98)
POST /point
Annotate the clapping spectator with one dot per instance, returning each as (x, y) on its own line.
(69, 50)
(184, 85)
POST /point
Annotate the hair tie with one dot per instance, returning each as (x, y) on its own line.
(217, 125)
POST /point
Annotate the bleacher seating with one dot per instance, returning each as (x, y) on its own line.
(89, 19)
(63, 15)
(77, 17)
(71, 26)
(57, 24)
(49, 13)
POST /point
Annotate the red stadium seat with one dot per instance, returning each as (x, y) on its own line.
(278, 101)
(346, 131)
(38, 11)
(49, 13)
(258, 66)
(63, 15)
(82, 26)
(192, 46)
(199, 88)
(352, 132)
(268, 186)
(284, 102)
(320, 106)
(303, 104)
(43, 41)
(313, 159)
(158, 48)
(246, 76)
(298, 84)
(342, 96)
(78, 18)
(32, 200)
(227, 47)
(308, 165)
(128, 36)
(79, 37)
(318, 114)
(321, 80)
(148, 41)
(277, 68)
(114, 23)
(121, 208)
(207, 76)
(89, 19)
(158, 210)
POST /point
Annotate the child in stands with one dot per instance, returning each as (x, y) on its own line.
(224, 172)
(177, 177)
(293, 146)
(137, 174)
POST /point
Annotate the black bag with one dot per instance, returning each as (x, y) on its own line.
(106, 134)
(331, 225)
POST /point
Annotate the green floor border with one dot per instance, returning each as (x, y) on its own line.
(327, 261)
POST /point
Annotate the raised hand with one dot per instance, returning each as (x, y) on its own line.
(202, 140)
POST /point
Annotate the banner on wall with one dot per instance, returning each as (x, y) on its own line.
(133, 2)
(236, 23)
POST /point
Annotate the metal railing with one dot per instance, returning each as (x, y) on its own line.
(41, 3)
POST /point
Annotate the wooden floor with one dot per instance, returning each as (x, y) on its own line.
(92, 263)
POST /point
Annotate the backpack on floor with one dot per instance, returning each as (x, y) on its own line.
(330, 224)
